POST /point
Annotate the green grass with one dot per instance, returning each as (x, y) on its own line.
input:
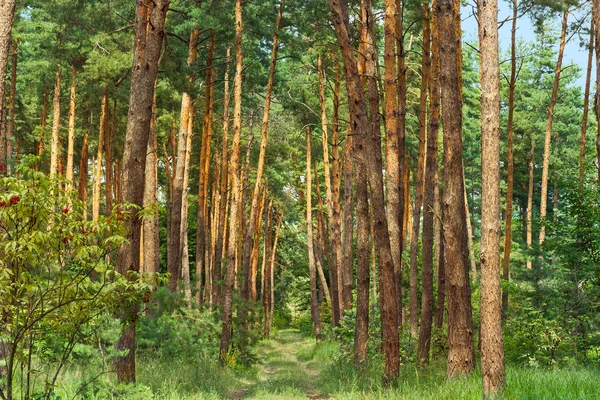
(293, 367)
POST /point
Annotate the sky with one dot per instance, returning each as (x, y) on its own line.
(574, 53)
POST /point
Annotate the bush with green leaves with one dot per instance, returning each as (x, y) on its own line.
(56, 281)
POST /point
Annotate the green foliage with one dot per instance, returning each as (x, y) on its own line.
(57, 286)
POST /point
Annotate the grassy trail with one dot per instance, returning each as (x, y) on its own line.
(283, 372)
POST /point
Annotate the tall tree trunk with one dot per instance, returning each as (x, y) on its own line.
(185, 248)
(254, 206)
(204, 163)
(370, 152)
(549, 121)
(266, 274)
(43, 122)
(461, 357)
(71, 137)
(174, 253)
(361, 328)
(470, 245)
(98, 172)
(416, 224)
(510, 159)
(348, 220)
(149, 32)
(529, 235)
(344, 282)
(256, 246)
(150, 227)
(341, 278)
(108, 157)
(429, 197)
(492, 351)
(401, 167)
(272, 261)
(10, 125)
(54, 149)
(586, 106)
(7, 11)
(222, 198)
(82, 186)
(441, 279)
(236, 189)
(392, 171)
(314, 304)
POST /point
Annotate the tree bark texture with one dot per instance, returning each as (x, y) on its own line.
(344, 282)
(236, 189)
(431, 167)
(416, 224)
(492, 351)
(370, 152)
(174, 253)
(202, 225)
(149, 33)
(7, 11)
(461, 357)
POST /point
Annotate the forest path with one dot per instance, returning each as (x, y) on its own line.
(285, 370)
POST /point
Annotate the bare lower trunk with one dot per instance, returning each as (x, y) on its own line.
(202, 226)
(416, 217)
(429, 201)
(149, 32)
(236, 188)
(492, 351)
(401, 133)
(461, 357)
(369, 142)
(150, 228)
(314, 305)
(174, 252)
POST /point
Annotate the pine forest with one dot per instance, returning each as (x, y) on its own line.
(292, 199)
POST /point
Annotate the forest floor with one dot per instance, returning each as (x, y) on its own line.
(283, 372)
